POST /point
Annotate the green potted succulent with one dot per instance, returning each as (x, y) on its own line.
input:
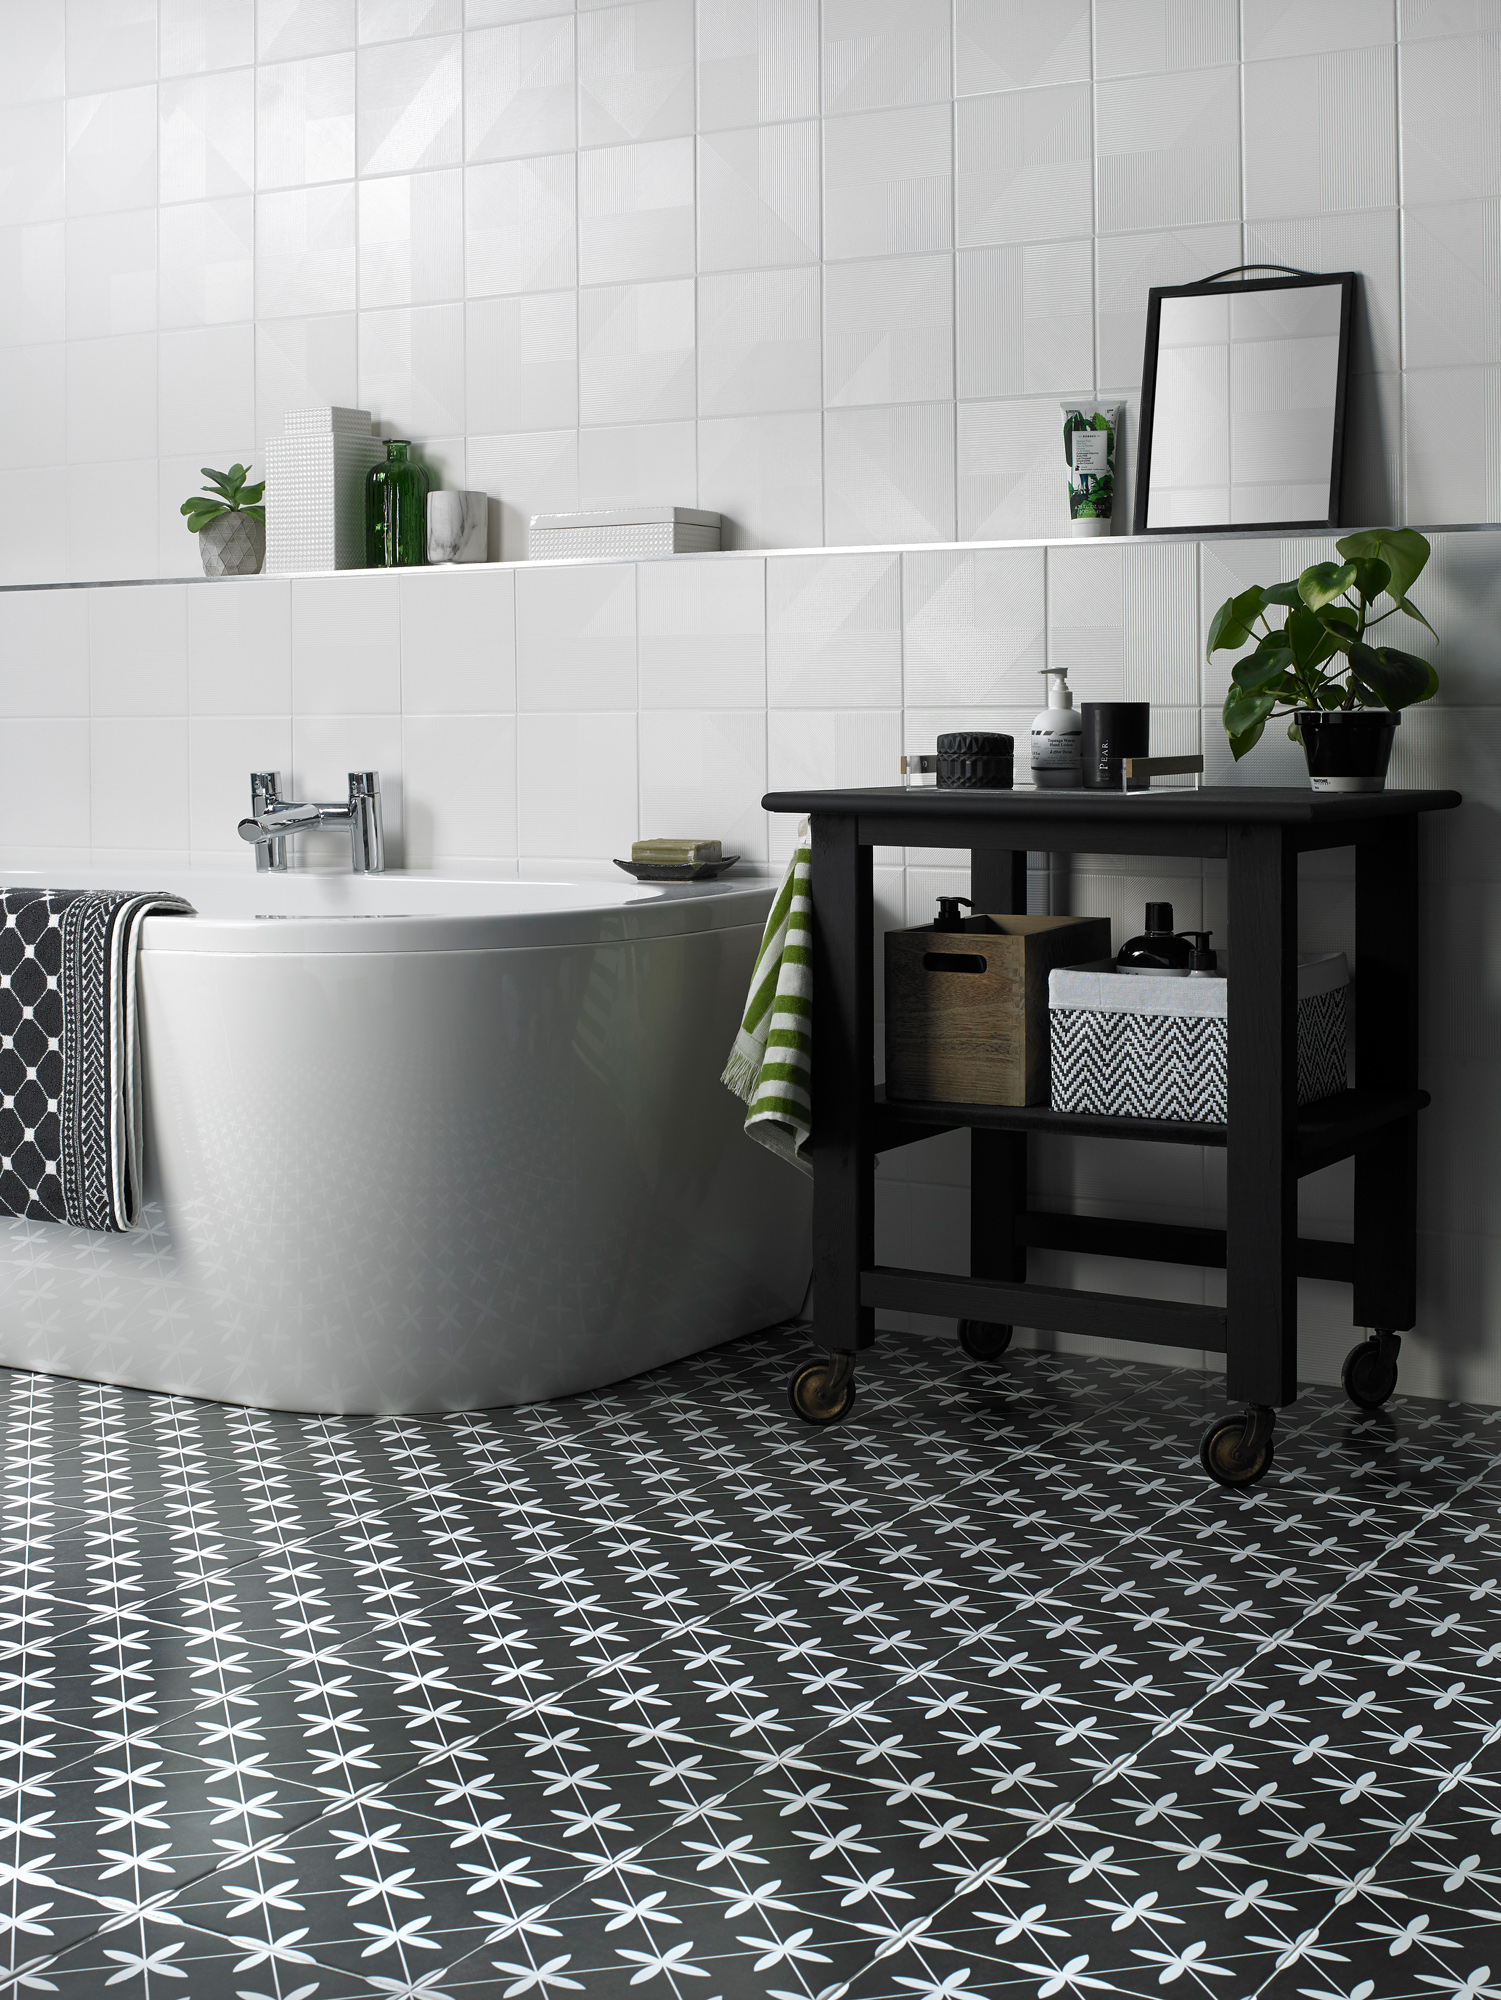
(229, 521)
(1321, 664)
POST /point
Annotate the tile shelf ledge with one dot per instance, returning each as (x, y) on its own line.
(1247, 534)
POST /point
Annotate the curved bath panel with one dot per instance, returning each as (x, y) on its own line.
(459, 1146)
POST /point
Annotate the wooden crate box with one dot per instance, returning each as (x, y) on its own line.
(967, 1011)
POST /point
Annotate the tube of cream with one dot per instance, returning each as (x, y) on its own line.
(1089, 434)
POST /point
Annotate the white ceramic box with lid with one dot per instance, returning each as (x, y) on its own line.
(624, 531)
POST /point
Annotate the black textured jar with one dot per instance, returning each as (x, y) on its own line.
(975, 761)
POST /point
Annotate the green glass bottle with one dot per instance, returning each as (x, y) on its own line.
(396, 510)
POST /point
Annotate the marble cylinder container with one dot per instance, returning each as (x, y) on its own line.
(457, 527)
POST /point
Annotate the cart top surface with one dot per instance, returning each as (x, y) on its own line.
(1221, 805)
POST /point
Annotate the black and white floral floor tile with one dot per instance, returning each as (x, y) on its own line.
(985, 1692)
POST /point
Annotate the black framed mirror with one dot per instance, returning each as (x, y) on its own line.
(1243, 402)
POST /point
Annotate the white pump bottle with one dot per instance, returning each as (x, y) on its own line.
(1056, 761)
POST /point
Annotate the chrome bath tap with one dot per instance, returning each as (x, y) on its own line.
(273, 818)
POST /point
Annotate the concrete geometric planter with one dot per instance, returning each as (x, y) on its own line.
(233, 545)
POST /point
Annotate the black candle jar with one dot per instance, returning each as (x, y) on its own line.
(1112, 730)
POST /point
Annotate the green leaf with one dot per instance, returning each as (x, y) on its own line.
(1340, 618)
(1403, 550)
(250, 494)
(1231, 625)
(1397, 679)
(1309, 638)
(198, 518)
(256, 514)
(1265, 671)
(1246, 711)
(1245, 740)
(1283, 593)
(1324, 582)
(1372, 576)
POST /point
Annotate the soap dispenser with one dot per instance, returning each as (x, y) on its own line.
(1202, 962)
(1056, 763)
(948, 918)
(1159, 950)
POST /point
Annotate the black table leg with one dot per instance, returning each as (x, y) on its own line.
(1386, 1057)
(1262, 1186)
(997, 1160)
(843, 1084)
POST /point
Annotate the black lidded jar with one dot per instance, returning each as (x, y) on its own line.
(975, 761)
(1111, 730)
(1158, 950)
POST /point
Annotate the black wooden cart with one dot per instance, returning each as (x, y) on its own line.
(1270, 1141)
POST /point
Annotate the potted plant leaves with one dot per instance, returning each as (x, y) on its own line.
(229, 521)
(1322, 665)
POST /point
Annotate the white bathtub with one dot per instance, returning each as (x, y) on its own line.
(424, 1144)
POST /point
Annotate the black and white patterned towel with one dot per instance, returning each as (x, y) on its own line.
(70, 1063)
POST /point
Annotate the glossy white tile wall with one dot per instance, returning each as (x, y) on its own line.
(824, 266)
(536, 719)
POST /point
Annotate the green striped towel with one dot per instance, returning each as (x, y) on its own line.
(771, 1065)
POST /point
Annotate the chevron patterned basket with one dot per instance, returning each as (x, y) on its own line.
(1127, 1046)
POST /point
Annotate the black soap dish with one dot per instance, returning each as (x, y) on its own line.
(652, 871)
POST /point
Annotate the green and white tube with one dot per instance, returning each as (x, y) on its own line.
(1089, 434)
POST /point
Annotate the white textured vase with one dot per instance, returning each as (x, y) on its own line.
(233, 545)
(458, 527)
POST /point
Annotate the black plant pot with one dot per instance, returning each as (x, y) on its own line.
(1348, 749)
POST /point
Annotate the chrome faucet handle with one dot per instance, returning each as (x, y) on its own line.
(367, 834)
(265, 792)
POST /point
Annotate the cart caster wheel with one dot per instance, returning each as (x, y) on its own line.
(823, 1392)
(983, 1339)
(1369, 1375)
(1236, 1450)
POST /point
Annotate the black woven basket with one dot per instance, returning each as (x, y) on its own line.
(975, 761)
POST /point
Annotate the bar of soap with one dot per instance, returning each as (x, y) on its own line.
(676, 853)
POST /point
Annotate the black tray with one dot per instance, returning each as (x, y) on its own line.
(651, 871)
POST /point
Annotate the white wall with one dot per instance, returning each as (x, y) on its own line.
(537, 718)
(825, 268)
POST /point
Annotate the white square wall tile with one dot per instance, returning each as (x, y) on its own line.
(533, 472)
(764, 475)
(888, 181)
(33, 164)
(205, 396)
(412, 369)
(112, 399)
(520, 225)
(458, 643)
(758, 197)
(138, 651)
(880, 52)
(222, 752)
(303, 27)
(1272, 28)
(1025, 166)
(1439, 405)
(33, 306)
(576, 638)
(624, 465)
(975, 628)
(1452, 297)
(305, 251)
(240, 647)
(35, 52)
(1169, 149)
(521, 359)
(412, 238)
(1461, 592)
(1013, 44)
(346, 645)
(410, 105)
(702, 629)
(34, 528)
(1122, 621)
(198, 35)
(636, 352)
(635, 72)
(519, 90)
(889, 330)
(33, 404)
(206, 262)
(138, 782)
(119, 542)
(1138, 37)
(111, 274)
(206, 136)
(757, 62)
(458, 788)
(44, 782)
(1451, 92)
(889, 474)
(1321, 124)
(300, 363)
(304, 122)
(44, 653)
(636, 212)
(759, 342)
(834, 631)
(703, 775)
(111, 151)
(826, 749)
(1025, 319)
(1013, 483)
(398, 20)
(594, 815)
